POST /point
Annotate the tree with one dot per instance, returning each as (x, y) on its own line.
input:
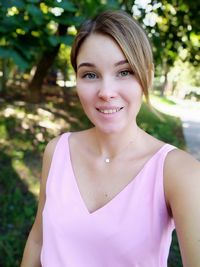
(173, 27)
(33, 31)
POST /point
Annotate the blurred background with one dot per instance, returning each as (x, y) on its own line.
(38, 99)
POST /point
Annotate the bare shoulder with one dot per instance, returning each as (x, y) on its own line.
(181, 175)
(182, 190)
(76, 140)
(50, 147)
(47, 157)
(180, 165)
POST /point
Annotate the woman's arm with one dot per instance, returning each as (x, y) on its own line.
(32, 251)
(182, 189)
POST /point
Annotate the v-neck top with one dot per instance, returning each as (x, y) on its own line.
(132, 230)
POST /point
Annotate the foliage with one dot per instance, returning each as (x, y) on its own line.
(29, 27)
(173, 27)
(161, 126)
(62, 61)
(31, 30)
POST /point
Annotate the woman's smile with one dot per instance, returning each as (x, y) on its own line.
(109, 110)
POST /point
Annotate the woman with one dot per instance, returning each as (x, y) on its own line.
(114, 193)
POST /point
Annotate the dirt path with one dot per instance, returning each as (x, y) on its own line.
(191, 131)
(190, 116)
(189, 113)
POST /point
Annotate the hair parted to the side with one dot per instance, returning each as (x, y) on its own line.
(130, 37)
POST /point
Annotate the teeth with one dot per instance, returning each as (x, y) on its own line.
(109, 111)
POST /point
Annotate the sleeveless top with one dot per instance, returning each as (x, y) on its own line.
(132, 230)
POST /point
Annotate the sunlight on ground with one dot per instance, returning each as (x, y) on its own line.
(23, 172)
(43, 118)
(39, 122)
(184, 109)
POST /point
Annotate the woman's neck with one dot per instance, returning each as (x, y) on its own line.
(110, 146)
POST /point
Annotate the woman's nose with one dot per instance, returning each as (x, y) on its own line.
(107, 90)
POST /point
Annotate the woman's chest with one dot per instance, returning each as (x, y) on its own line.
(99, 184)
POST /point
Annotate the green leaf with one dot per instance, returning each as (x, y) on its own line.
(4, 3)
(53, 40)
(34, 10)
(67, 19)
(67, 40)
(15, 3)
(18, 3)
(56, 40)
(33, 1)
(17, 58)
(36, 14)
(114, 4)
(8, 24)
(4, 52)
(66, 5)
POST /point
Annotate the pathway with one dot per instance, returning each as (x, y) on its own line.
(191, 131)
(189, 113)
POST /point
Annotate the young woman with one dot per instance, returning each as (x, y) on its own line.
(112, 195)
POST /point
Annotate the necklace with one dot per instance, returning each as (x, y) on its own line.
(108, 160)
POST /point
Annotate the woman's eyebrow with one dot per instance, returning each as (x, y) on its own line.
(85, 64)
(121, 62)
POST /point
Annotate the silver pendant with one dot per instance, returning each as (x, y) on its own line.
(107, 160)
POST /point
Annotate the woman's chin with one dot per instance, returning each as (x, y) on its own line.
(109, 130)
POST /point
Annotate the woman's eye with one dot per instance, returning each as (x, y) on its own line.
(90, 75)
(124, 73)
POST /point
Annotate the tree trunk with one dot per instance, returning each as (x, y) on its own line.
(46, 61)
(165, 84)
(35, 86)
(4, 76)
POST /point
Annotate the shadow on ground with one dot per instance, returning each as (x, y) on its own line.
(18, 208)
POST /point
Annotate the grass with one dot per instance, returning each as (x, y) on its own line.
(24, 131)
(162, 126)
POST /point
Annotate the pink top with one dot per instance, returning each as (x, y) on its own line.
(132, 230)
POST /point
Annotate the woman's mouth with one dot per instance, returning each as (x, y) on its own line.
(109, 110)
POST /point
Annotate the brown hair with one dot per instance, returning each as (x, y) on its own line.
(130, 37)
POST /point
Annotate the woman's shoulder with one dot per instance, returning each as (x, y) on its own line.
(77, 136)
(179, 162)
(50, 147)
(182, 190)
(48, 154)
(181, 174)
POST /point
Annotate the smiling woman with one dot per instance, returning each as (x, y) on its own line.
(111, 195)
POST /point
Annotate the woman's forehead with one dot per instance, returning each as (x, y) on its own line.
(100, 47)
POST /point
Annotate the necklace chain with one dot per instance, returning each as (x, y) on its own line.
(108, 160)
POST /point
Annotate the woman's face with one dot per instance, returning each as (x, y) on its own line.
(110, 94)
